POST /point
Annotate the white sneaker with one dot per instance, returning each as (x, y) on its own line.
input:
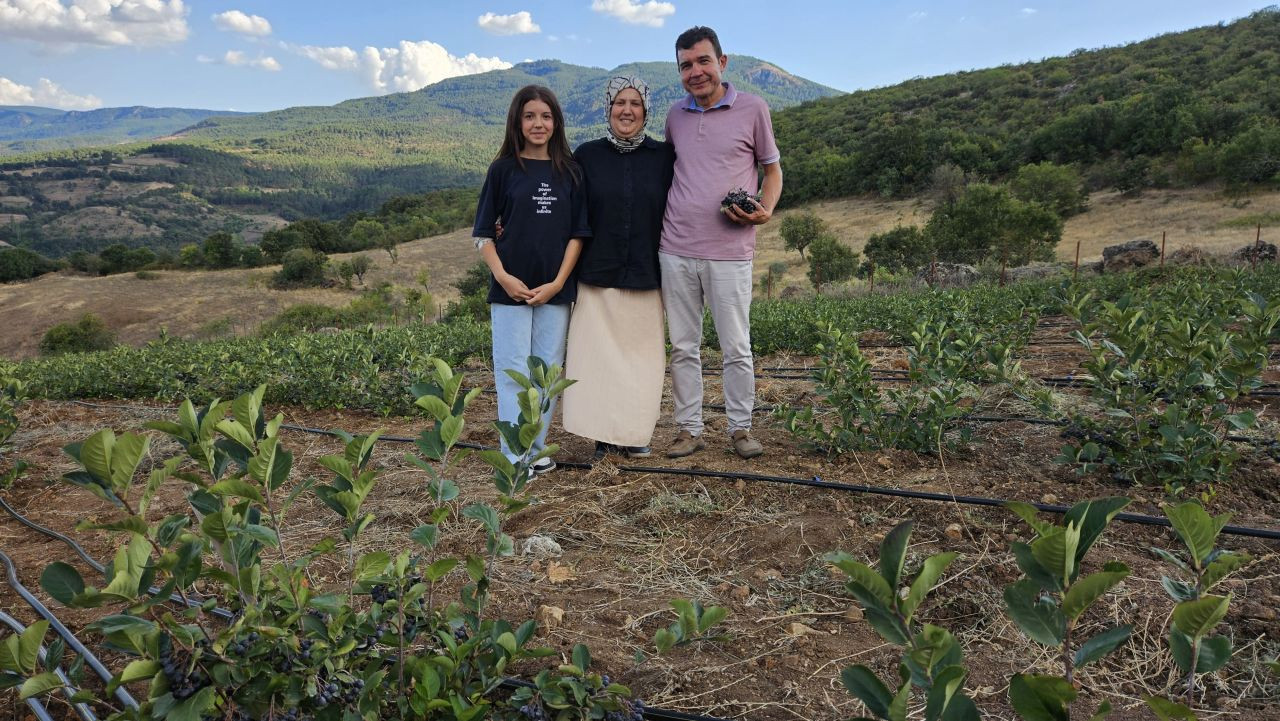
(542, 465)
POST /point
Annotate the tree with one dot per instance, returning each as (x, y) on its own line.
(219, 250)
(800, 230)
(345, 272)
(987, 219)
(250, 256)
(275, 243)
(830, 261)
(190, 256)
(372, 234)
(1058, 187)
(903, 248)
(947, 182)
(20, 264)
(361, 265)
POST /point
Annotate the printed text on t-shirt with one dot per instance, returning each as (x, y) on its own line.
(544, 199)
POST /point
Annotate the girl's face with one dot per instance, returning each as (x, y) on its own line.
(627, 113)
(536, 124)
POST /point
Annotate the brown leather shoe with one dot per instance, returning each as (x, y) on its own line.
(685, 444)
(746, 446)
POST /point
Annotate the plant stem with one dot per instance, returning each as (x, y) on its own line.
(1066, 654)
(1191, 673)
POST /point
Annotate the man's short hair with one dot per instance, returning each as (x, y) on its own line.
(697, 34)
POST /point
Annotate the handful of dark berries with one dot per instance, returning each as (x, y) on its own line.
(740, 198)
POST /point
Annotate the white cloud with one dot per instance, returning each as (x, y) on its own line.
(94, 22)
(651, 13)
(46, 93)
(520, 23)
(1029, 11)
(918, 15)
(236, 57)
(238, 22)
(408, 67)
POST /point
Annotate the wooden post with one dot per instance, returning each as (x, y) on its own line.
(1257, 249)
(873, 278)
(1076, 273)
(1163, 235)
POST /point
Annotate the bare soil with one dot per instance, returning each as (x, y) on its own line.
(634, 540)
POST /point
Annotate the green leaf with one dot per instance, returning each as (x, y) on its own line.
(29, 646)
(425, 535)
(1084, 592)
(867, 688)
(1041, 698)
(39, 684)
(1167, 710)
(1030, 515)
(898, 709)
(711, 616)
(1104, 710)
(484, 513)
(125, 457)
(893, 553)
(62, 581)
(1197, 618)
(930, 573)
(1040, 619)
(664, 639)
(371, 565)
(581, 657)
(438, 409)
(862, 575)
(1222, 566)
(451, 430)
(238, 488)
(95, 454)
(1091, 518)
(129, 565)
(1101, 645)
(1032, 568)
(1055, 551)
(1171, 559)
(1197, 529)
(946, 689)
(1215, 651)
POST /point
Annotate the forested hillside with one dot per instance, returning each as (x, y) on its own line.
(226, 173)
(1181, 108)
(28, 129)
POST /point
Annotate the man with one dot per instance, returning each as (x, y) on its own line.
(720, 136)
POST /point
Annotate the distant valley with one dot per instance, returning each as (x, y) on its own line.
(247, 173)
(29, 130)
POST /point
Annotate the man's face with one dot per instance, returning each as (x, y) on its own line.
(700, 69)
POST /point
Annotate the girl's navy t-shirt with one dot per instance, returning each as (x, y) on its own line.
(540, 211)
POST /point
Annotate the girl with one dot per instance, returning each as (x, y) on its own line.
(534, 190)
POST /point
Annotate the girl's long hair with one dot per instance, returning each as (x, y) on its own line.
(562, 162)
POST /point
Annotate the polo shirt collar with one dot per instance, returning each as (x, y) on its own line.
(730, 95)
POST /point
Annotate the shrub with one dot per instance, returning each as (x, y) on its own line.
(1058, 187)
(1252, 156)
(21, 264)
(87, 334)
(301, 267)
(250, 256)
(831, 261)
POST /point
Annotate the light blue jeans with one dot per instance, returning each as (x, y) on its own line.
(520, 331)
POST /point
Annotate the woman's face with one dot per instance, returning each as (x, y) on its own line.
(626, 115)
(536, 124)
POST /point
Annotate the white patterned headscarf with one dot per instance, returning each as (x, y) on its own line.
(616, 85)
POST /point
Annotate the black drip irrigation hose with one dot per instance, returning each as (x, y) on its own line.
(1264, 533)
(81, 710)
(95, 565)
(74, 643)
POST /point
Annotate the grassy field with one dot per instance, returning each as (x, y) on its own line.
(189, 304)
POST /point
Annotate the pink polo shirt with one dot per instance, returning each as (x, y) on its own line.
(717, 150)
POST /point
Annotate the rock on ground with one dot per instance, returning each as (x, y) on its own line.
(948, 274)
(1128, 256)
(1255, 253)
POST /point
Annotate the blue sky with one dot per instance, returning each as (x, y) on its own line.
(264, 54)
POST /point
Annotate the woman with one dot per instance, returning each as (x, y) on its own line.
(534, 186)
(616, 348)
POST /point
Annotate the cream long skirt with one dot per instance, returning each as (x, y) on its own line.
(617, 354)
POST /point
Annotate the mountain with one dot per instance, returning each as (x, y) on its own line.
(1177, 110)
(28, 129)
(246, 173)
